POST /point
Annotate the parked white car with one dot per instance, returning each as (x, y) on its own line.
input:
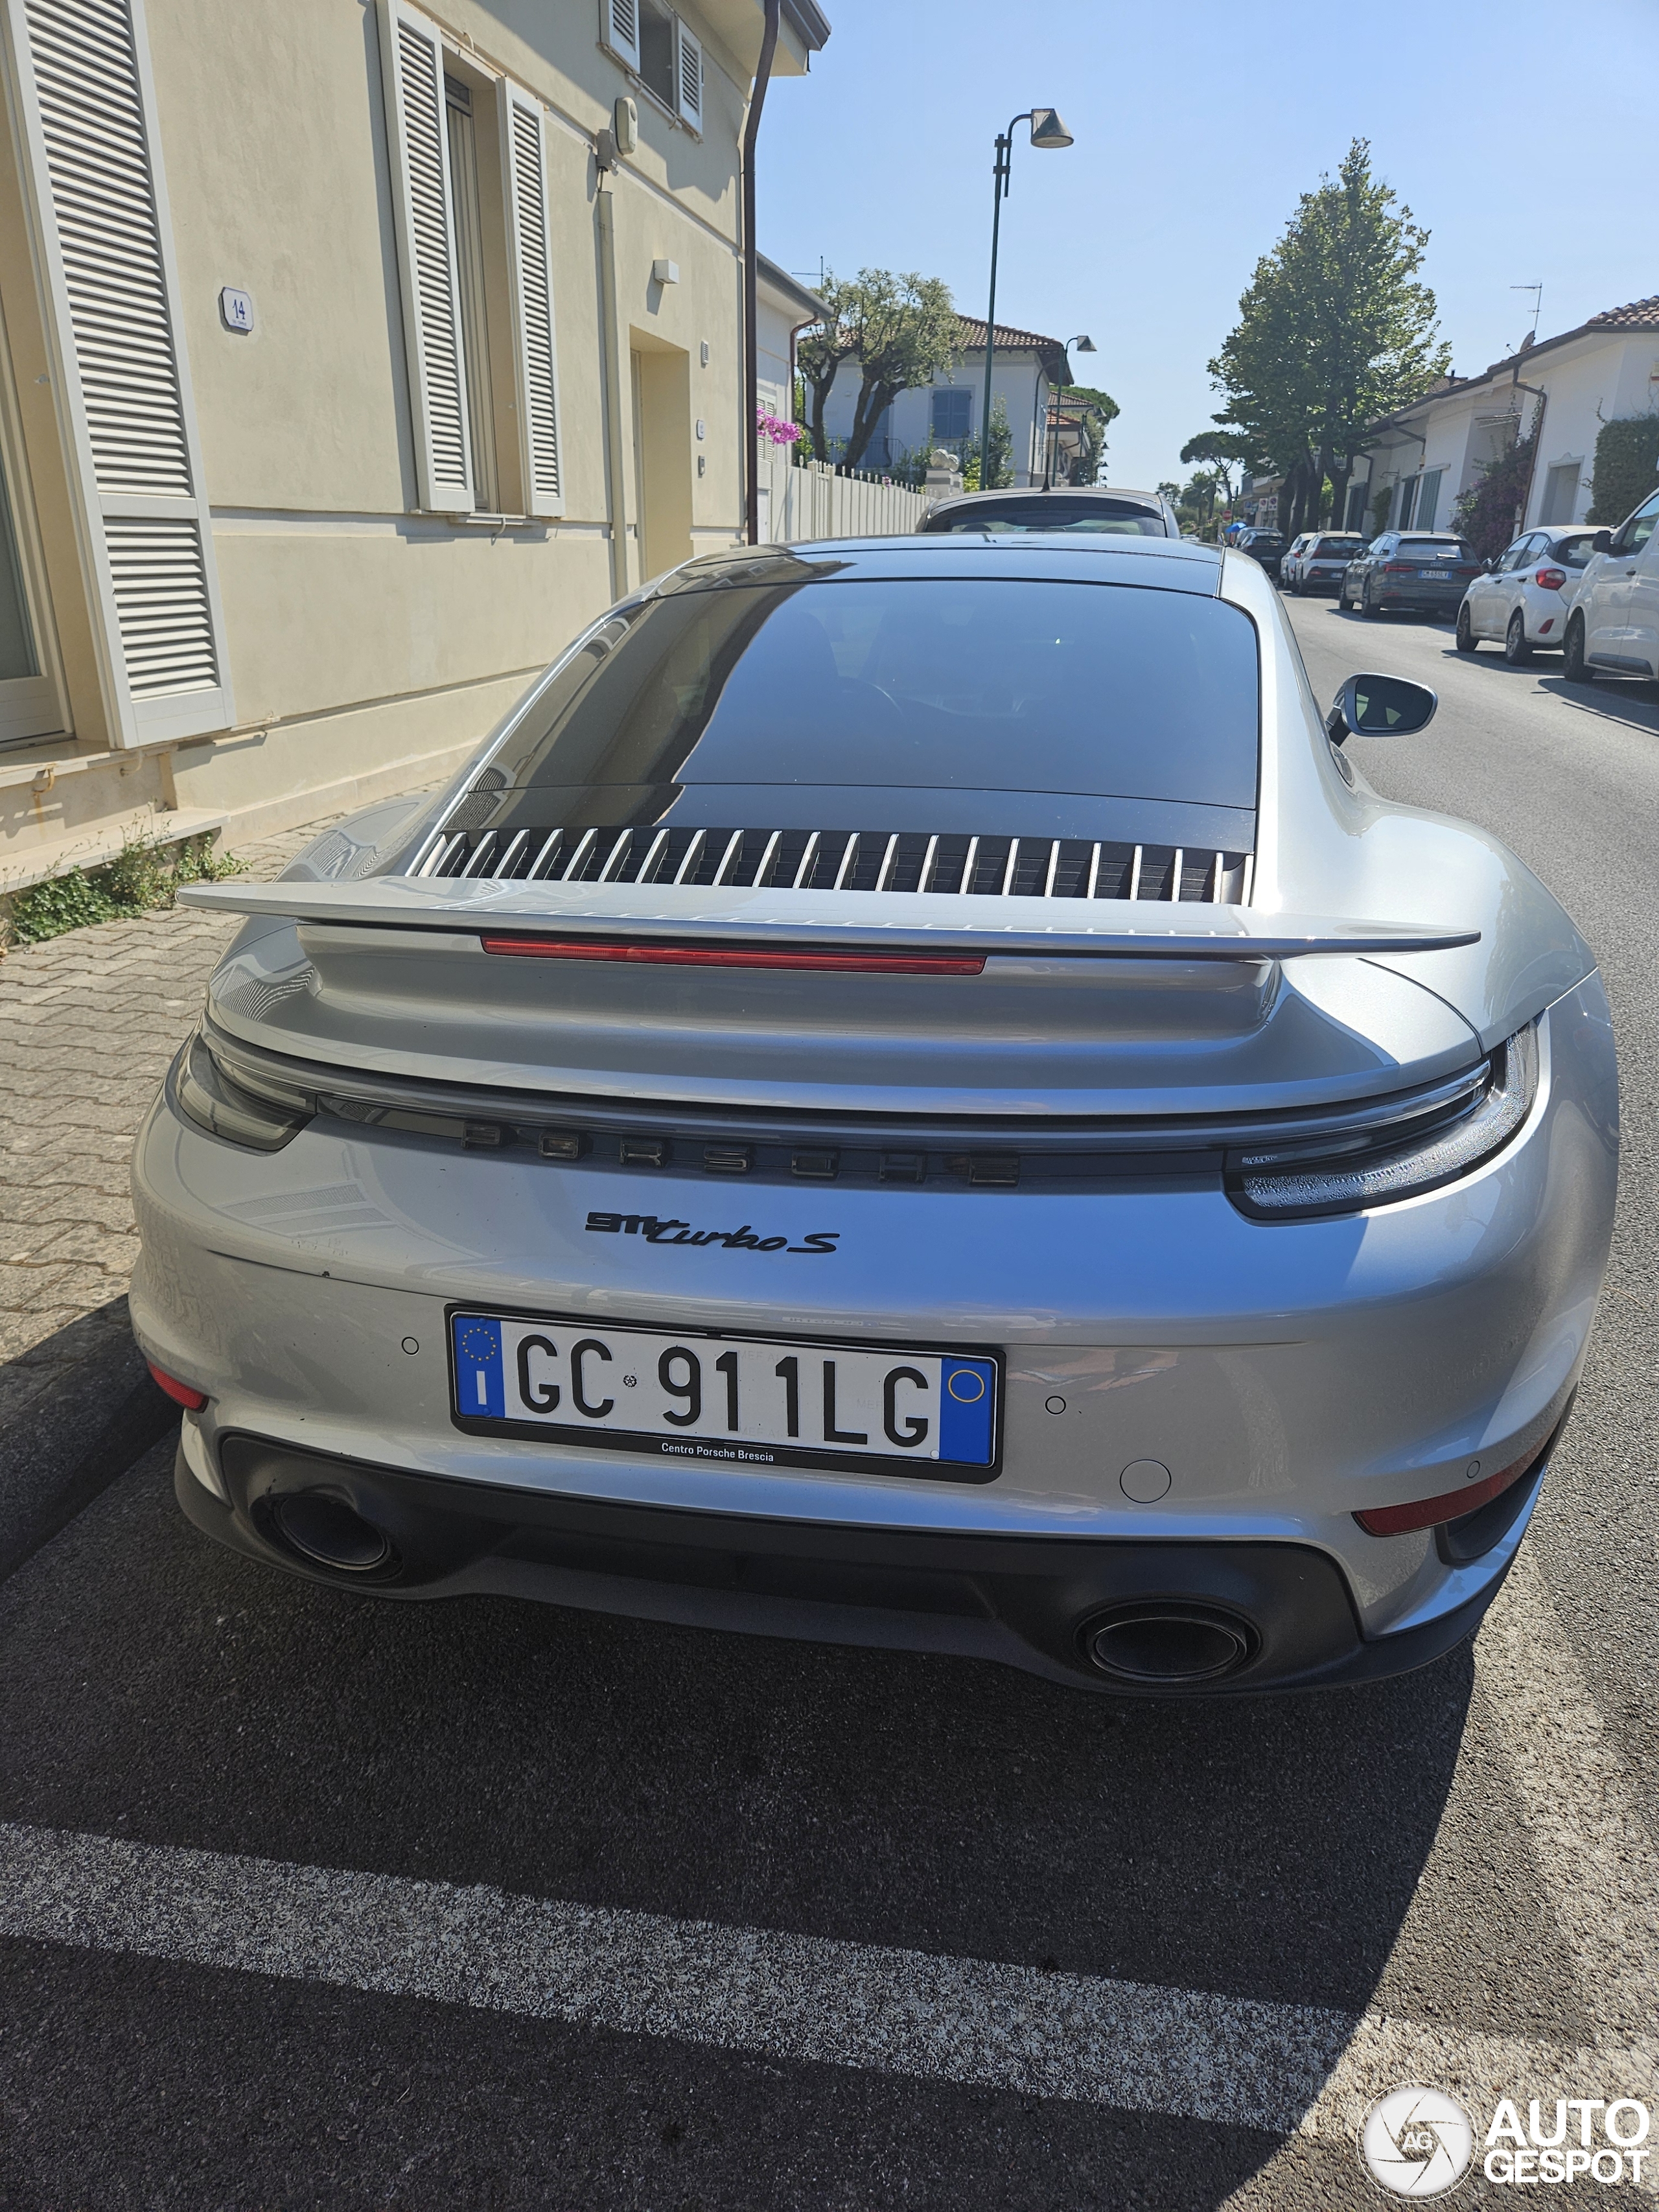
(1613, 626)
(1316, 560)
(1525, 597)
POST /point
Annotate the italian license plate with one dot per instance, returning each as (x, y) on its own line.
(741, 1400)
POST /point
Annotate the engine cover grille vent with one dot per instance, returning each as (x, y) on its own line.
(840, 860)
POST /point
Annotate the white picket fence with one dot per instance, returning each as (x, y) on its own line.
(798, 503)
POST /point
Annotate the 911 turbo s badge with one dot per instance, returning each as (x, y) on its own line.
(681, 1232)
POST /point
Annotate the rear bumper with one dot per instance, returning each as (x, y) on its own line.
(1033, 1602)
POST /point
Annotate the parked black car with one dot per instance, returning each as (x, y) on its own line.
(1428, 570)
(1265, 546)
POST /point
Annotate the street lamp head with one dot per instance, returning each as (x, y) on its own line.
(1047, 131)
(1085, 345)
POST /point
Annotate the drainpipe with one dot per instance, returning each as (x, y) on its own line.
(750, 355)
(1543, 399)
(606, 213)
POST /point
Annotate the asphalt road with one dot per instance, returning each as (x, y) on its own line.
(1568, 776)
(309, 1901)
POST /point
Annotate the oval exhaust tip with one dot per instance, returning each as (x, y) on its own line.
(329, 1533)
(1169, 1645)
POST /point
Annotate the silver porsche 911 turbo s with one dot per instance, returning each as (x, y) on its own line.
(908, 1095)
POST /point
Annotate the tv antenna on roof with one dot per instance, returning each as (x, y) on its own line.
(1537, 291)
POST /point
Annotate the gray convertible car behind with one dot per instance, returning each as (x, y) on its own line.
(910, 1096)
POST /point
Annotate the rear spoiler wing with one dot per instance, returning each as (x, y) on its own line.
(882, 920)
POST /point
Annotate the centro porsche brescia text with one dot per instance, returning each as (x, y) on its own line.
(681, 1232)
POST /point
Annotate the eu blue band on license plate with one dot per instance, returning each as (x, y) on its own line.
(742, 1401)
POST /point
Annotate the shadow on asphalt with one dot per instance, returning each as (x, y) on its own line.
(155, 1688)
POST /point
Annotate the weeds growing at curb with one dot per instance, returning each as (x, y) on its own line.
(142, 877)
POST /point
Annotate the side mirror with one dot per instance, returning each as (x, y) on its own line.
(1602, 542)
(1488, 565)
(1380, 707)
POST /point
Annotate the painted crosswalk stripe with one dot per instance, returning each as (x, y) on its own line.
(1184, 2053)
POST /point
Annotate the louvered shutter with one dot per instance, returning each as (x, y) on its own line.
(97, 204)
(412, 66)
(688, 74)
(619, 28)
(530, 270)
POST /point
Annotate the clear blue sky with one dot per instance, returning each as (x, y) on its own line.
(1521, 134)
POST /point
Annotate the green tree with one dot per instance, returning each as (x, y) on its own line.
(1094, 410)
(1002, 446)
(901, 330)
(1335, 329)
(1225, 450)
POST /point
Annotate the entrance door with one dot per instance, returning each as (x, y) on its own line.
(662, 453)
(28, 698)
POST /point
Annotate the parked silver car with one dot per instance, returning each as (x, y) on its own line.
(909, 1095)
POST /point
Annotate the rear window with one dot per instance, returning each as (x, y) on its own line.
(978, 682)
(1435, 549)
(1337, 549)
(1575, 552)
(1119, 518)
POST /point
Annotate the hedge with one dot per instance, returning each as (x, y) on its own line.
(1626, 466)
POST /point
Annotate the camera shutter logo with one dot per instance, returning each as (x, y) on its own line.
(1417, 2142)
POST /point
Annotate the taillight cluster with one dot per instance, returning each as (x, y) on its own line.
(1549, 580)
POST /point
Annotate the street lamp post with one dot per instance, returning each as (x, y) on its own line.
(1049, 134)
(1051, 444)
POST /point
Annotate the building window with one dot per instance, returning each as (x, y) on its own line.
(657, 51)
(1428, 499)
(466, 214)
(652, 41)
(953, 414)
(1407, 502)
(470, 178)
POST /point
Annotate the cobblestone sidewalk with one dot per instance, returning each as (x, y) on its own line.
(89, 1023)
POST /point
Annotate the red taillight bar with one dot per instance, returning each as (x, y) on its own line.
(1549, 580)
(738, 956)
(1451, 1506)
(182, 1394)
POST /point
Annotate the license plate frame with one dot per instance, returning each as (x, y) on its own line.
(710, 1451)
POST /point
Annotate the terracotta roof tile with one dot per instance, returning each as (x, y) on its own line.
(1638, 315)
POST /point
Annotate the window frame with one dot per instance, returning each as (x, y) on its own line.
(688, 56)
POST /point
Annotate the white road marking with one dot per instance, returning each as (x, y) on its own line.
(1181, 2052)
(1595, 1854)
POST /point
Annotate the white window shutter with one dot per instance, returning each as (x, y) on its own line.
(688, 74)
(412, 66)
(619, 22)
(530, 272)
(97, 206)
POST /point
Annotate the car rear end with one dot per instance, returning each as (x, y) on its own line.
(986, 1230)
(1429, 574)
(1553, 583)
(1326, 562)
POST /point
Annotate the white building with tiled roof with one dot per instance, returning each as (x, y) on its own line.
(1565, 387)
(1026, 368)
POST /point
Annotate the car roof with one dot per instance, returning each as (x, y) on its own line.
(1174, 564)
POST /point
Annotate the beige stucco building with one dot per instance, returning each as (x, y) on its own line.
(353, 357)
